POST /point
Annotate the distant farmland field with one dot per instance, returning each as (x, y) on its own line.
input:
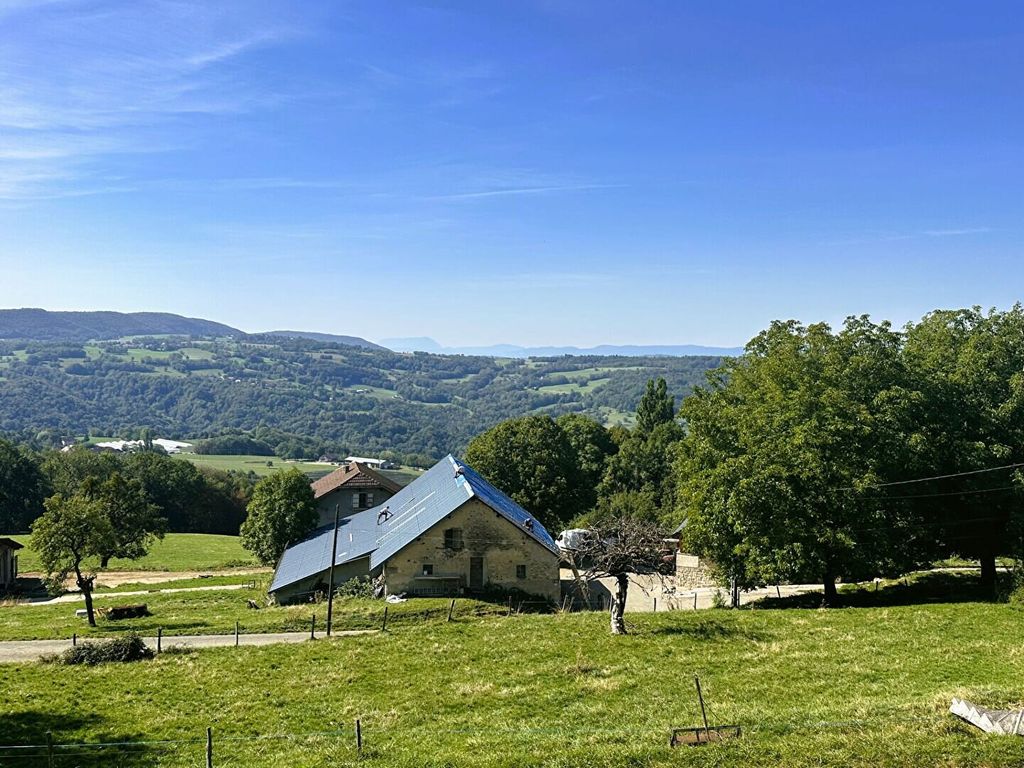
(261, 465)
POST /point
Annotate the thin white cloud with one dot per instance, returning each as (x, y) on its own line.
(957, 232)
(79, 81)
(513, 191)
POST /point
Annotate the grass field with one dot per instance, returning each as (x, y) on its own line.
(257, 464)
(587, 387)
(849, 687)
(215, 612)
(176, 552)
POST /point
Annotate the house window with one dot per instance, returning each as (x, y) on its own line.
(453, 538)
(362, 500)
(428, 569)
(520, 571)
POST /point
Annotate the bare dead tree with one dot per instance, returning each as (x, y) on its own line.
(618, 548)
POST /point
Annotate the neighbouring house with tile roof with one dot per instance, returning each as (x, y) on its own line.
(352, 487)
(8, 562)
(449, 532)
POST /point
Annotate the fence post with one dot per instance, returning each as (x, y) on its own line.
(359, 737)
(49, 748)
(695, 600)
(236, 633)
(655, 605)
(209, 748)
(312, 627)
(451, 609)
(159, 639)
(74, 639)
(778, 591)
(509, 606)
(384, 626)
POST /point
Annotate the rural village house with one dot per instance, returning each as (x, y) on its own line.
(449, 532)
(351, 488)
(8, 562)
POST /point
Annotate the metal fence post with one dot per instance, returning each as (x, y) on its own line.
(49, 748)
(209, 748)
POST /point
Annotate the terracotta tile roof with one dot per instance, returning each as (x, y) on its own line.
(354, 475)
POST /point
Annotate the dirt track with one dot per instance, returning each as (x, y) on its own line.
(117, 578)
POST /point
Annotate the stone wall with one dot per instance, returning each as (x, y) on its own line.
(505, 549)
(693, 573)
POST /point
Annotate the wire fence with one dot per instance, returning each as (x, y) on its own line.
(358, 743)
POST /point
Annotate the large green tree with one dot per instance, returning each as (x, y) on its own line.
(282, 510)
(970, 365)
(777, 475)
(69, 538)
(22, 489)
(532, 460)
(134, 521)
(78, 533)
(592, 446)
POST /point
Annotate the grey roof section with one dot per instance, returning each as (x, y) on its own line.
(414, 510)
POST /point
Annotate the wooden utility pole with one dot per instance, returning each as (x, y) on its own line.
(330, 573)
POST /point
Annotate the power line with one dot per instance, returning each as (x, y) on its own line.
(949, 493)
(935, 477)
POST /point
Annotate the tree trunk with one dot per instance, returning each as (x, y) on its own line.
(85, 585)
(830, 589)
(104, 560)
(988, 571)
(619, 604)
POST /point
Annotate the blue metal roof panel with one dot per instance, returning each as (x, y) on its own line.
(420, 506)
(312, 554)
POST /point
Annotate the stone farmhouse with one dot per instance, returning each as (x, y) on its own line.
(449, 532)
(351, 488)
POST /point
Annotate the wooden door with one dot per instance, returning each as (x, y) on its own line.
(476, 573)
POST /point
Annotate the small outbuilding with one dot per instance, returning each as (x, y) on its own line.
(8, 561)
(449, 532)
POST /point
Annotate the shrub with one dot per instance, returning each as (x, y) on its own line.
(120, 649)
(357, 587)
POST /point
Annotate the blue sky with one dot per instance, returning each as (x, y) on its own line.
(527, 172)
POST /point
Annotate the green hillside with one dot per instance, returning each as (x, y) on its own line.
(330, 397)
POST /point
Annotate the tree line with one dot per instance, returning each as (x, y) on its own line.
(817, 455)
(187, 498)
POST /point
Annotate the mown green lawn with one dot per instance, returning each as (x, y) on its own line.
(841, 687)
(176, 552)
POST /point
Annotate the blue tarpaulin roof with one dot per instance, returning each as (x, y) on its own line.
(411, 512)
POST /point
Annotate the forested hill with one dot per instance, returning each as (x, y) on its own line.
(43, 325)
(308, 396)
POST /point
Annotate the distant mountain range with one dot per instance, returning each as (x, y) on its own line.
(426, 344)
(43, 325)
